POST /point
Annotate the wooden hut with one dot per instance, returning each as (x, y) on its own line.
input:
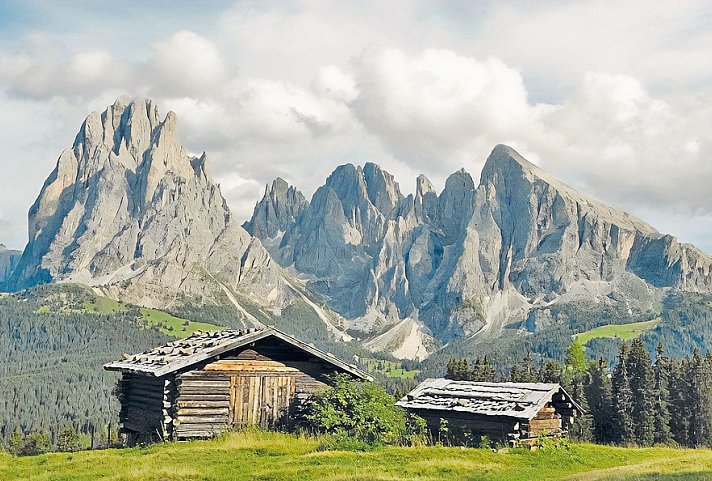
(502, 411)
(209, 382)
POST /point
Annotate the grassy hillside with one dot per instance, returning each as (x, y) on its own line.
(273, 456)
(624, 332)
(167, 323)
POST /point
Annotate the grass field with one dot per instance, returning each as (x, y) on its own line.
(273, 456)
(388, 368)
(171, 325)
(625, 332)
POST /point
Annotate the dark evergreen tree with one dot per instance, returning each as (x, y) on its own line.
(515, 374)
(700, 429)
(458, 370)
(528, 369)
(640, 377)
(624, 432)
(582, 429)
(551, 371)
(680, 390)
(598, 395)
(661, 397)
(487, 372)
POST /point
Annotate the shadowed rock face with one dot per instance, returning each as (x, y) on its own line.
(8, 261)
(474, 259)
(278, 210)
(126, 209)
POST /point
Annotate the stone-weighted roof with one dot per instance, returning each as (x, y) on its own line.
(202, 346)
(516, 400)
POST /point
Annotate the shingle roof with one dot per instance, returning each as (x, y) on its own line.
(201, 346)
(516, 400)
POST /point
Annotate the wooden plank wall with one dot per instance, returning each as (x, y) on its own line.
(142, 404)
(202, 404)
(547, 421)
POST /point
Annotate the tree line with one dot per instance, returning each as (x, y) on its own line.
(639, 401)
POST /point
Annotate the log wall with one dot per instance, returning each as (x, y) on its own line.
(142, 406)
(465, 428)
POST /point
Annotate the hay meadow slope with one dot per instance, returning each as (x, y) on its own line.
(255, 455)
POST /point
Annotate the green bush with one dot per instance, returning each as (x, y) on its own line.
(68, 441)
(36, 443)
(362, 411)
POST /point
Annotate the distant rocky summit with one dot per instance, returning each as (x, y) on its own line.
(128, 211)
(8, 261)
(520, 249)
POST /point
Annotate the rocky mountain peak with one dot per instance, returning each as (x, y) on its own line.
(278, 209)
(129, 211)
(425, 201)
(383, 190)
(520, 247)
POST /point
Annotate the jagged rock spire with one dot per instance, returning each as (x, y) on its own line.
(127, 209)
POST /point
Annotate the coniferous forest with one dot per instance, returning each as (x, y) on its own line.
(643, 400)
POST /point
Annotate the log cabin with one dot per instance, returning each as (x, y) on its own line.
(210, 382)
(507, 412)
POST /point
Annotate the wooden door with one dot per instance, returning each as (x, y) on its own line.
(259, 399)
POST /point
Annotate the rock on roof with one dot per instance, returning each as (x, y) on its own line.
(201, 346)
(509, 399)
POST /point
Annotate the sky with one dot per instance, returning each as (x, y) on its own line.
(614, 98)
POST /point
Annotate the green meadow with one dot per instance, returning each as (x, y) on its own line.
(171, 325)
(625, 332)
(255, 455)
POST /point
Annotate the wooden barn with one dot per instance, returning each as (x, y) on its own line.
(502, 411)
(209, 382)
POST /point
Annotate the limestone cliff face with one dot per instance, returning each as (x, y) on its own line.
(279, 208)
(409, 272)
(129, 211)
(8, 261)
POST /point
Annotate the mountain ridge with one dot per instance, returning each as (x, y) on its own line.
(475, 259)
(128, 212)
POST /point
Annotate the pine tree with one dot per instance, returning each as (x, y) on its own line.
(464, 370)
(551, 371)
(576, 358)
(661, 397)
(528, 370)
(624, 432)
(680, 390)
(582, 429)
(487, 372)
(458, 370)
(598, 395)
(699, 400)
(514, 374)
(640, 377)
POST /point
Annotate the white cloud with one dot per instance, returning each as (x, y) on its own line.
(614, 98)
(440, 107)
(187, 64)
(630, 147)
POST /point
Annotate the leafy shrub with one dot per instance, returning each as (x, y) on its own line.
(363, 411)
(36, 443)
(68, 441)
